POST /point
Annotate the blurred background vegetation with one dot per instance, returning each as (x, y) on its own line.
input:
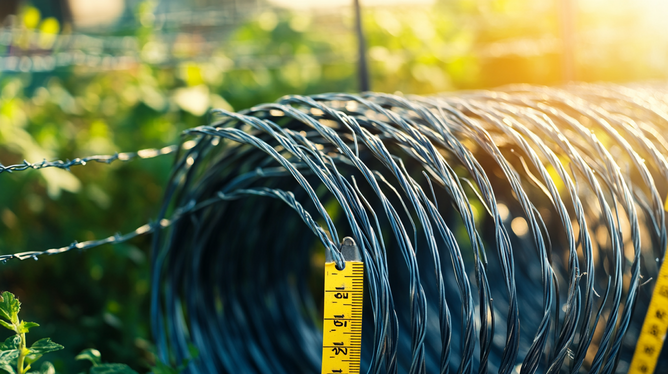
(81, 77)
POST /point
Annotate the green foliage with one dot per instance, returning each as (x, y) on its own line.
(15, 358)
(9, 309)
(14, 351)
(90, 354)
(162, 368)
(111, 369)
(93, 355)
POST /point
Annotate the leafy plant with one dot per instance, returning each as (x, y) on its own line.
(94, 356)
(14, 352)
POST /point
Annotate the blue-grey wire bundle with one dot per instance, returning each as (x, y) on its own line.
(502, 231)
(509, 231)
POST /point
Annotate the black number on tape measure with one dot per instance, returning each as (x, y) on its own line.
(649, 350)
(654, 330)
(643, 368)
(663, 291)
(338, 350)
(341, 295)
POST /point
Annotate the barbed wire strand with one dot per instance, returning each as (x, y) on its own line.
(104, 159)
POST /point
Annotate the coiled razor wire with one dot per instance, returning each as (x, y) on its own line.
(509, 231)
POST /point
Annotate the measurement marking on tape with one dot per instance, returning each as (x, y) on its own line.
(342, 320)
(654, 328)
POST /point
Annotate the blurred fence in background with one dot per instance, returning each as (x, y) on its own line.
(494, 36)
(77, 80)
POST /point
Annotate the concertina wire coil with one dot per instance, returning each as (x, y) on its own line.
(513, 231)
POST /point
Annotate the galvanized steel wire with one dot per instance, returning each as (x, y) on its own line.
(515, 230)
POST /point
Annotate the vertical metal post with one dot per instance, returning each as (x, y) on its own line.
(567, 26)
(362, 67)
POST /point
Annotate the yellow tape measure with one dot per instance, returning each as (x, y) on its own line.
(342, 320)
(654, 328)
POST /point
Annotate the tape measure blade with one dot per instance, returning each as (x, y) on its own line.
(654, 328)
(342, 318)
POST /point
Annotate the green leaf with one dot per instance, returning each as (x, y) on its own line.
(26, 326)
(47, 368)
(43, 346)
(111, 369)
(6, 325)
(32, 357)
(8, 368)
(90, 354)
(12, 342)
(6, 357)
(9, 307)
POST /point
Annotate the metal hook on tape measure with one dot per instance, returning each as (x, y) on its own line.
(348, 250)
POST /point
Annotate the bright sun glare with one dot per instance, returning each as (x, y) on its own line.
(306, 4)
(654, 12)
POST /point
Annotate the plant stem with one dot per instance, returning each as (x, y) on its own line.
(22, 355)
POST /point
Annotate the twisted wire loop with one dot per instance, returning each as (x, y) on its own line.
(509, 231)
